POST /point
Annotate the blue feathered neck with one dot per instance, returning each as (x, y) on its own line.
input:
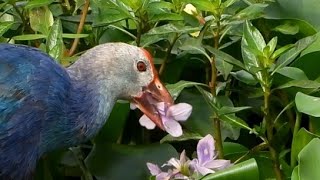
(86, 110)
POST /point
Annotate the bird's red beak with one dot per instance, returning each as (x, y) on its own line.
(155, 92)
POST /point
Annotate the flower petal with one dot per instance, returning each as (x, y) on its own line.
(180, 111)
(163, 176)
(218, 164)
(205, 149)
(146, 122)
(183, 157)
(172, 127)
(133, 106)
(154, 169)
(174, 162)
(203, 170)
(161, 107)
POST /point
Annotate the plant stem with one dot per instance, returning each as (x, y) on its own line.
(76, 151)
(168, 53)
(269, 123)
(80, 27)
(295, 131)
(213, 85)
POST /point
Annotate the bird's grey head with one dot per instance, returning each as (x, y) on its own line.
(128, 72)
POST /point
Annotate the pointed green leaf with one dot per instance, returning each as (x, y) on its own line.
(175, 89)
(54, 43)
(293, 73)
(27, 37)
(245, 77)
(307, 84)
(225, 57)
(290, 55)
(41, 19)
(5, 26)
(224, 110)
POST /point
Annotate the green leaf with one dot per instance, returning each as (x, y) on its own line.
(234, 151)
(244, 170)
(287, 28)
(54, 43)
(306, 84)
(74, 36)
(228, 118)
(293, 73)
(115, 161)
(110, 11)
(224, 110)
(37, 3)
(171, 28)
(41, 19)
(300, 140)
(309, 159)
(236, 121)
(225, 57)
(184, 137)
(315, 46)
(193, 46)
(272, 45)
(175, 89)
(114, 126)
(253, 37)
(308, 104)
(295, 174)
(223, 67)
(296, 9)
(251, 12)
(281, 50)
(309, 64)
(27, 37)
(5, 26)
(245, 77)
(290, 55)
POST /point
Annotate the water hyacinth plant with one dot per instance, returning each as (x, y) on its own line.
(184, 168)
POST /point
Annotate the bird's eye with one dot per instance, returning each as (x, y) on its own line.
(141, 66)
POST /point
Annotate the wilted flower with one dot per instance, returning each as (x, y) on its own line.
(195, 34)
(206, 162)
(190, 9)
(170, 117)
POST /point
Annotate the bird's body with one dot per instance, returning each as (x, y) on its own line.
(44, 106)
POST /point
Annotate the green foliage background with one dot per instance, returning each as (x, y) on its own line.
(249, 68)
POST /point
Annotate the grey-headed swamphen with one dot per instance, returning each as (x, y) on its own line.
(44, 106)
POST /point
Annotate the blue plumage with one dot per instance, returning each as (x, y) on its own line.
(41, 108)
(44, 106)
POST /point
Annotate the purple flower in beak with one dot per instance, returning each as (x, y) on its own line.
(206, 162)
(170, 116)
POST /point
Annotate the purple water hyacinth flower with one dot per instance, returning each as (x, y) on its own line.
(181, 167)
(170, 116)
(206, 162)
